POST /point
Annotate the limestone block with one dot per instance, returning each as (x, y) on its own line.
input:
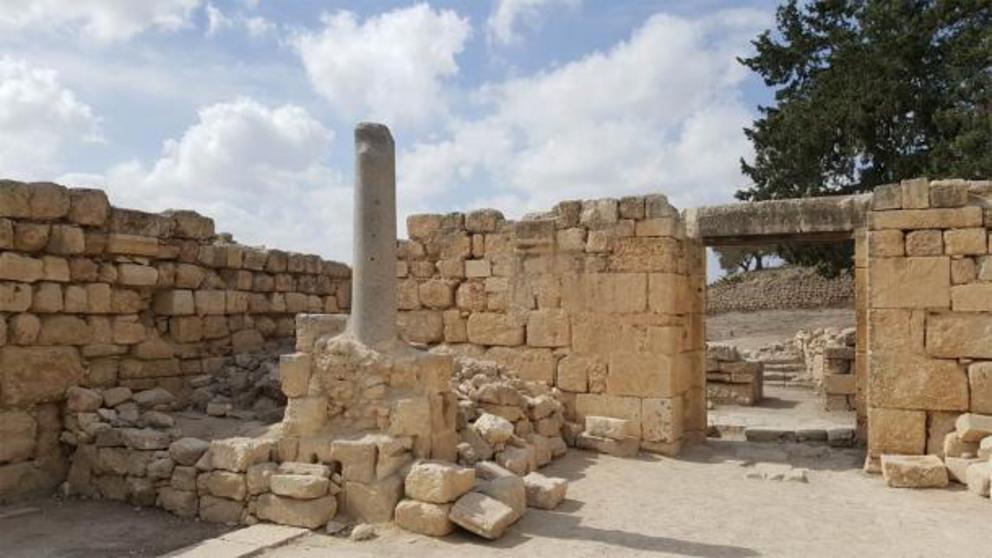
(221, 510)
(980, 383)
(421, 326)
(957, 468)
(914, 471)
(915, 193)
(471, 296)
(132, 245)
(186, 329)
(924, 243)
(38, 374)
(357, 459)
(886, 243)
(606, 427)
(627, 408)
(647, 254)
(15, 297)
(48, 201)
(98, 298)
(962, 217)
(641, 375)
(31, 237)
(507, 488)
(530, 364)
(487, 328)
(79, 399)
(186, 451)
(954, 446)
(839, 384)
(614, 293)
(145, 438)
(225, 484)
(659, 226)
(437, 482)
(896, 431)
(909, 381)
(16, 267)
(548, 328)
(975, 297)
(574, 371)
(47, 298)
(236, 454)
(597, 214)
(66, 240)
(896, 330)
(972, 427)
(627, 447)
(64, 330)
(959, 335)
(963, 271)
(421, 227)
(977, 478)
(966, 242)
(183, 503)
(662, 420)
(483, 220)
(910, 283)
(437, 294)
(483, 515)
(373, 502)
(88, 206)
(301, 487)
(544, 492)
(948, 193)
(18, 430)
(493, 429)
(258, 476)
(424, 518)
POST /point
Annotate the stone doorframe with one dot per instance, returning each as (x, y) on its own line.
(806, 220)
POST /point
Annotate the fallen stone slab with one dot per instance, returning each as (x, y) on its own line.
(437, 482)
(483, 515)
(424, 518)
(768, 434)
(508, 489)
(627, 447)
(301, 487)
(494, 429)
(544, 492)
(914, 471)
(607, 427)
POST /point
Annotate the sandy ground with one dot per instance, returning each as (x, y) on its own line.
(90, 529)
(702, 505)
(782, 407)
(750, 330)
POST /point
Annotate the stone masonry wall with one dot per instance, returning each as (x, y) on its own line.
(602, 299)
(99, 296)
(929, 286)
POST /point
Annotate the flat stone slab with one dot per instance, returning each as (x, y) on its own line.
(914, 471)
(242, 542)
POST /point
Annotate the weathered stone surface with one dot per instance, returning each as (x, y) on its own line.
(544, 492)
(183, 503)
(483, 515)
(606, 427)
(79, 399)
(923, 282)
(236, 454)
(957, 468)
(302, 487)
(972, 427)
(507, 488)
(37, 374)
(627, 447)
(225, 484)
(531, 364)
(959, 335)
(18, 430)
(424, 518)
(16, 267)
(914, 471)
(896, 431)
(438, 483)
(495, 329)
(627, 408)
(357, 458)
(309, 514)
(493, 429)
(221, 510)
(909, 381)
(373, 502)
(977, 478)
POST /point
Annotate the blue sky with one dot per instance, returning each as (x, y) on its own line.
(243, 109)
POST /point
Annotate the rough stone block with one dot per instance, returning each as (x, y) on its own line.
(437, 482)
(909, 381)
(301, 487)
(37, 374)
(886, 244)
(309, 514)
(483, 515)
(18, 430)
(544, 492)
(924, 243)
(914, 471)
(910, 219)
(236, 454)
(221, 510)
(910, 283)
(641, 375)
(548, 328)
(959, 335)
(16, 267)
(424, 518)
(618, 448)
(225, 484)
(972, 427)
(662, 420)
(88, 206)
(530, 364)
(966, 242)
(495, 329)
(373, 502)
(896, 431)
(977, 478)
(975, 297)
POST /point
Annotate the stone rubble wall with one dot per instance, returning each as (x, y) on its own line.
(829, 354)
(99, 296)
(782, 288)
(601, 299)
(929, 312)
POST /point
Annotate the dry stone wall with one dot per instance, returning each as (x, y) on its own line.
(601, 299)
(98, 296)
(929, 312)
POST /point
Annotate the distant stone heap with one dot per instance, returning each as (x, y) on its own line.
(730, 378)
(782, 288)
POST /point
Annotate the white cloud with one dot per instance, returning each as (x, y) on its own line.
(103, 20)
(260, 172)
(216, 20)
(661, 111)
(38, 115)
(390, 67)
(507, 15)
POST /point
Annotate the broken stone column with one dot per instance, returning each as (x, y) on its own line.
(373, 309)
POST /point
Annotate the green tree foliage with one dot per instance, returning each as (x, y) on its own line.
(742, 258)
(870, 92)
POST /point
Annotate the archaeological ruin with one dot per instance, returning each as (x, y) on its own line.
(146, 358)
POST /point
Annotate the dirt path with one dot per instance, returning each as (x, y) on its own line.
(702, 505)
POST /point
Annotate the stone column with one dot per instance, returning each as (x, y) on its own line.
(373, 279)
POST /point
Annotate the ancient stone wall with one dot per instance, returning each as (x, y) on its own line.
(99, 296)
(929, 312)
(602, 299)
